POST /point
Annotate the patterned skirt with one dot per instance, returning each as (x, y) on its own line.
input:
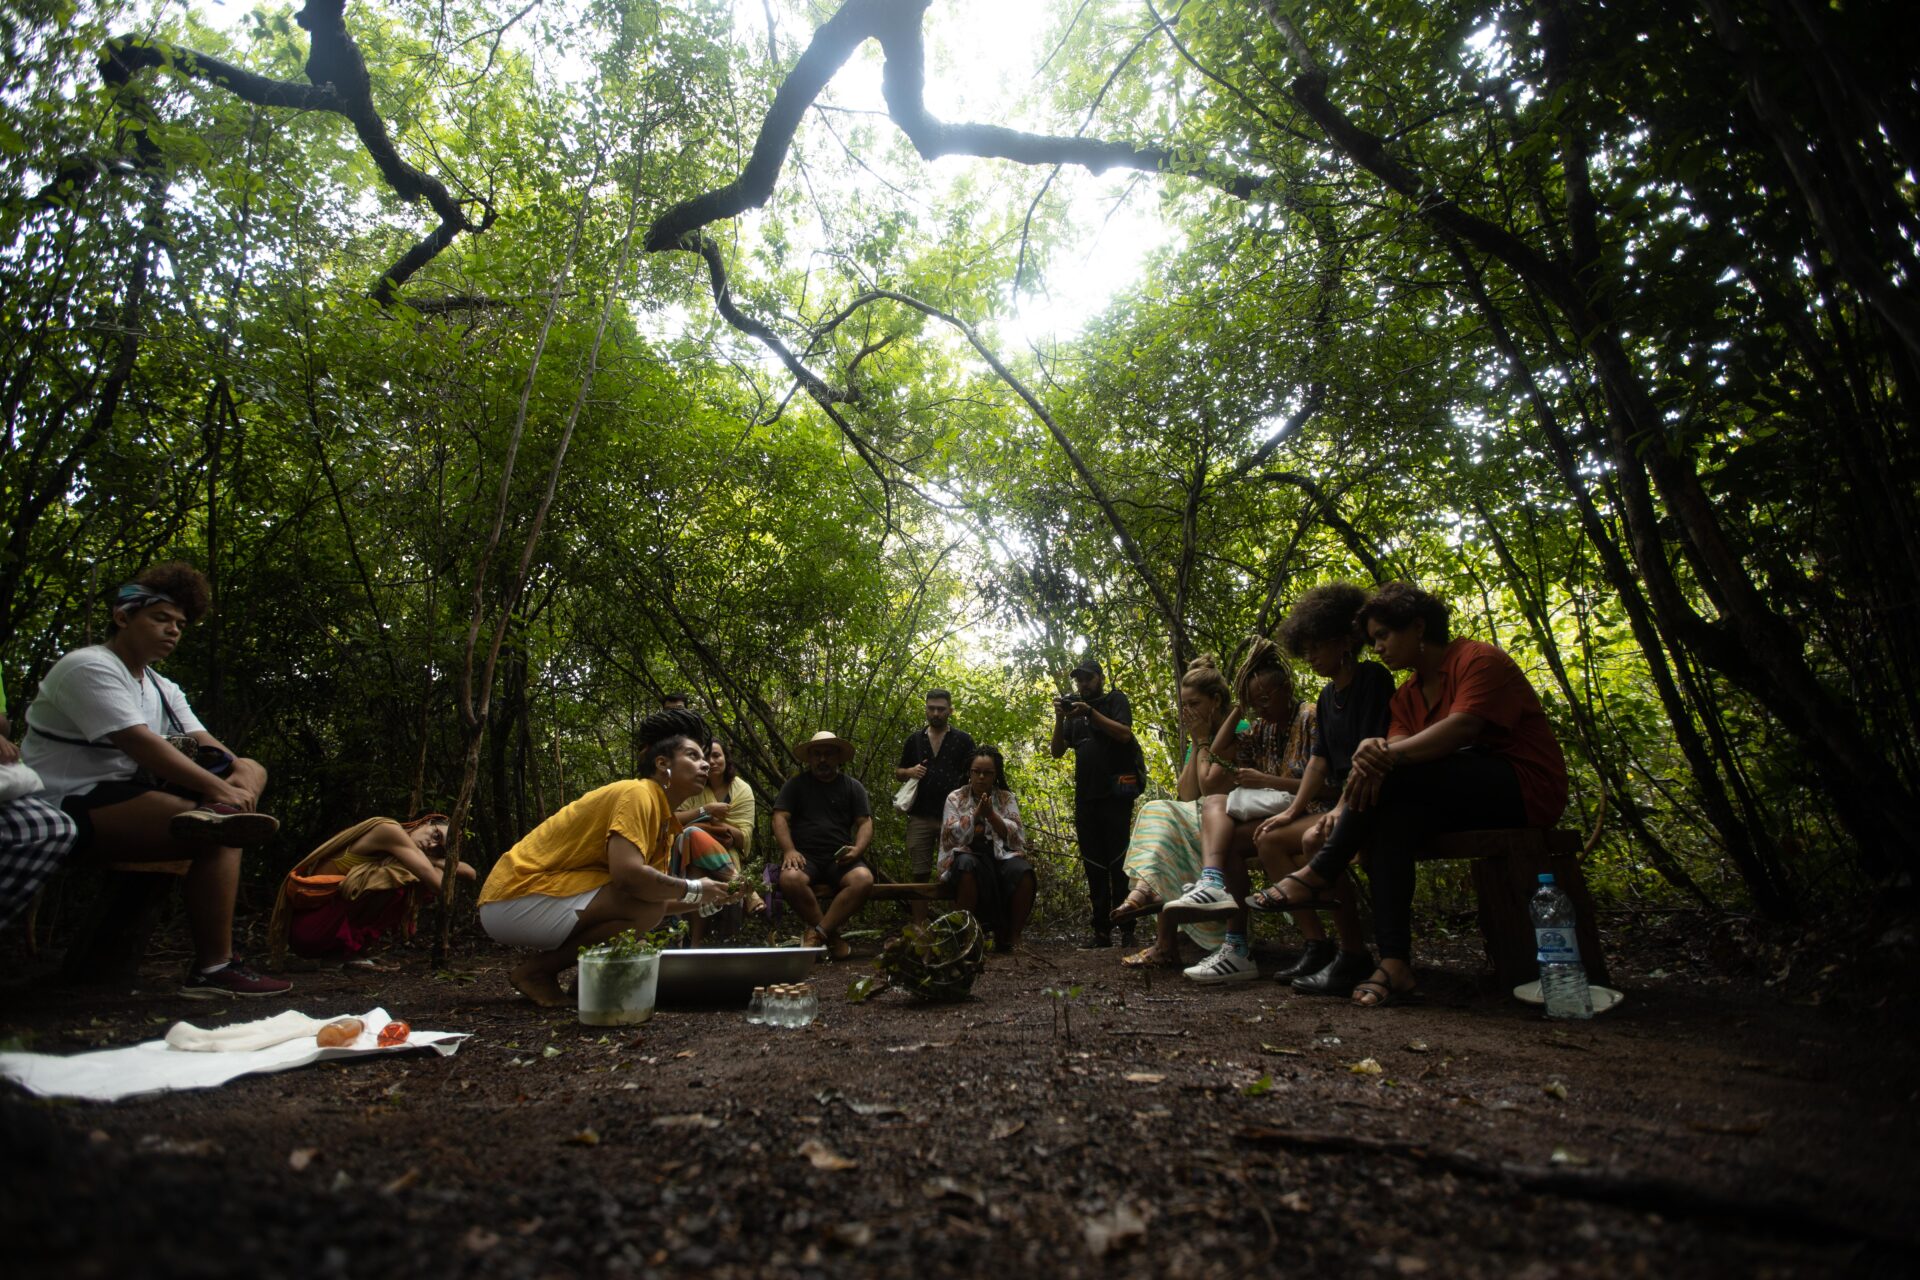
(1164, 853)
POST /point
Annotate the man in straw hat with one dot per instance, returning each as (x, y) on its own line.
(823, 823)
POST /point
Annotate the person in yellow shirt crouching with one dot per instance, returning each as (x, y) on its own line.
(597, 867)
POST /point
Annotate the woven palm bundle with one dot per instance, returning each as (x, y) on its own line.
(938, 960)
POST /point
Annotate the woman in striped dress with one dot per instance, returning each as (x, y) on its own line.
(1163, 852)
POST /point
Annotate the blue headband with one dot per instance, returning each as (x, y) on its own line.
(132, 595)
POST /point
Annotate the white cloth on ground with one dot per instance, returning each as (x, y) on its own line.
(245, 1037)
(109, 1075)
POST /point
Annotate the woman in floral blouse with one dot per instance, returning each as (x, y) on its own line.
(981, 850)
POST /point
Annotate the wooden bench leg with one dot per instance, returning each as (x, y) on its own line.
(1504, 885)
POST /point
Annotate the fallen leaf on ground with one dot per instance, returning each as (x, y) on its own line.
(155, 1145)
(1006, 1129)
(1563, 1156)
(934, 1188)
(684, 1053)
(827, 1097)
(1734, 1128)
(823, 1157)
(1283, 1050)
(1142, 1077)
(301, 1158)
(479, 1239)
(1294, 1202)
(1263, 1085)
(1107, 1231)
(924, 1044)
(696, 1120)
(854, 1235)
(1553, 1088)
(1416, 1046)
(1366, 1067)
(551, 1051)
(402, 1182)
(585, 1138)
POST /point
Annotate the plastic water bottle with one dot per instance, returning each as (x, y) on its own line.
(1563, 978)
(757, 1007)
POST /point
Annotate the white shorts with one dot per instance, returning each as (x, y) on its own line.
(537, 920)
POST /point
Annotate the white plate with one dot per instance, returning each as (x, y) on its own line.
(1604, 998)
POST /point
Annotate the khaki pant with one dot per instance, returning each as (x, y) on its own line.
(923, 847)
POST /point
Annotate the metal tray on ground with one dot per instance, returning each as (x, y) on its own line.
(728, 975)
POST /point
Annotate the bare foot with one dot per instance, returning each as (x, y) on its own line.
(541, 988)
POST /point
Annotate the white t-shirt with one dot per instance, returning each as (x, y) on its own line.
(90, 694)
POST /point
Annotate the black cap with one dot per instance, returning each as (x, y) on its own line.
(1088, 667)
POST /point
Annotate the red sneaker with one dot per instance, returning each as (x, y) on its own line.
(234, 980)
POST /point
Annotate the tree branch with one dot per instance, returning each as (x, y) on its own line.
(338, 83)
(896, 25)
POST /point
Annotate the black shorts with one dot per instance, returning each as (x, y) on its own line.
(105, 794)
(1008, 871)
(826, 870)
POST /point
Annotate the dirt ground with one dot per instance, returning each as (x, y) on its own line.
(1145, 1126)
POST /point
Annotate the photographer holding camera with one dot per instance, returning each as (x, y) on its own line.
(1097, 726)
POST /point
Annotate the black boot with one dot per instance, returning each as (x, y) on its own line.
(1346, 971)
(1314, 957)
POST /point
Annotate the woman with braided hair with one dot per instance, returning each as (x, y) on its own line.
(1264, 763)
(598, 866)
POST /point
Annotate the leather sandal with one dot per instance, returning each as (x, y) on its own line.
(1274, 897)
(1151, 958)
(1140, 901)
(1378, 992)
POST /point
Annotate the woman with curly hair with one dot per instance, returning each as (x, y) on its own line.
(982, 850)
(120, 750)
(1163, 851)
(1323, 628)
(1264, 761)
(598, 866)
(1467, 746)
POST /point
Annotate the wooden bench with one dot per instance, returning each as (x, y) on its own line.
(890, 891)
(1506, 866)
